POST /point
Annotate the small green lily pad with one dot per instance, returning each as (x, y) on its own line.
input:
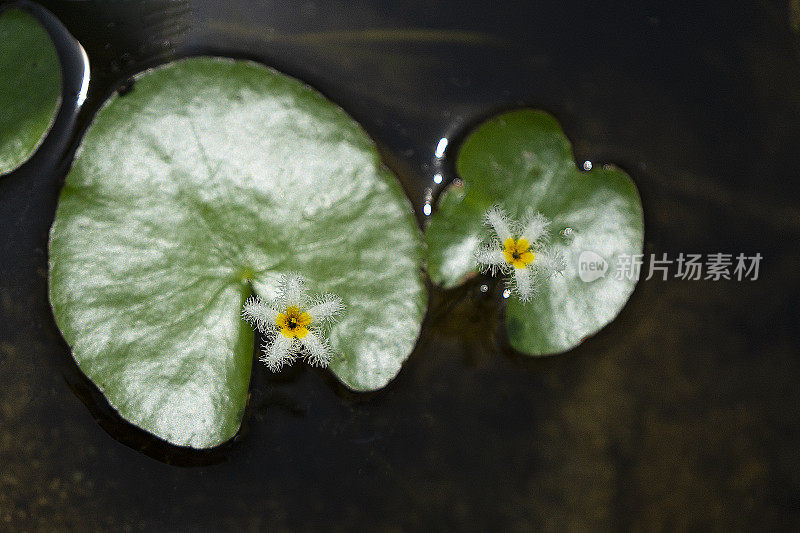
(30, 87)
(211, 177)
(521, 160)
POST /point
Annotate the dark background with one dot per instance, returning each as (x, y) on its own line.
(681, 414)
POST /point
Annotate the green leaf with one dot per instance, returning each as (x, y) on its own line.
(30, 87)
(210, 176)
(522, 160)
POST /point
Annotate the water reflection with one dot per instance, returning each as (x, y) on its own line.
(441, 147)
(84, 90)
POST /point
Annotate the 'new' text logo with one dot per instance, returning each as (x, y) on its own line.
(591, 266)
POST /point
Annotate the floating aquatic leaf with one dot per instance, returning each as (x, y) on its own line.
(522, 161)
(30, 87)
(209, 177)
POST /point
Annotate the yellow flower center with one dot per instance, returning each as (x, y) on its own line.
(293, 322)
(518, 252)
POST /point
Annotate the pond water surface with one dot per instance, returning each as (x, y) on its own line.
(683, 413)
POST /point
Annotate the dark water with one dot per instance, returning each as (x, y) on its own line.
(682, 414)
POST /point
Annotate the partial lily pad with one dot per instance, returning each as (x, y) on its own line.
(211, 177)
(521, 160)
(30, 87)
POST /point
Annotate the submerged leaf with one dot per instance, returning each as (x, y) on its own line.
(30, 87)
(522, 161)
(211, 177)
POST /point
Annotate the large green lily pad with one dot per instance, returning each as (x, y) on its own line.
(30, 87)
(521, 160)
(210, 177)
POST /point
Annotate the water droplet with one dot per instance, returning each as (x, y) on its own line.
(441, 147)
(506, 293)
(427, 208)
(568, 233)
(437, 178)
(484, 288)
(587, 166)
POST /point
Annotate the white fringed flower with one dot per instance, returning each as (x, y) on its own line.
(519, 251)
(293, 324)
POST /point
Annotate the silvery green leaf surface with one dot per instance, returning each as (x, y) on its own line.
(30, 87)
(521, 160)
(205, 183)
